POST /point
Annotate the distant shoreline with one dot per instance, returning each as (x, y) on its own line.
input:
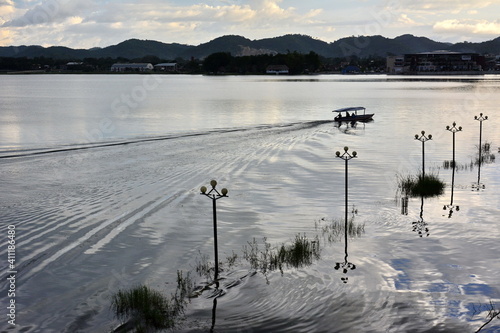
(42, 72)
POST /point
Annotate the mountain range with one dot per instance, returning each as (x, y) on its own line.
(361, 46)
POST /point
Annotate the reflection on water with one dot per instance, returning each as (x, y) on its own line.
(481, 118)
(485, 156)
(451, 207)
(345, 266)
(390, 78)
(420, 226)
(214, 315)
(351, 127)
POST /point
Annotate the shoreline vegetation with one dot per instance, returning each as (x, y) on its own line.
(291, 63)
(219, 63)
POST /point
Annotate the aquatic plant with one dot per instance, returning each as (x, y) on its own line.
(301, 252)
(256, 258)
(183, 292)
(232, 259)
(486, 155)
(428, 185)
(204, 267)
(146, 309)
(334, 230)
(486, 158)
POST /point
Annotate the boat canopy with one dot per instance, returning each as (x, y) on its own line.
(354, 108)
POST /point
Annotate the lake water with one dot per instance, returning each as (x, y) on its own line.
(100, 177)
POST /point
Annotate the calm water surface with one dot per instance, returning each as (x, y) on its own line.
(100, 175)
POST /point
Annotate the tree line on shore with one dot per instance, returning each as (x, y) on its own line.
(215, 63)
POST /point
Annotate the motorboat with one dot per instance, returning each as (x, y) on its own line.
(356, 113)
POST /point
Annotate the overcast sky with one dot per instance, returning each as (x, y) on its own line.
(100, 23)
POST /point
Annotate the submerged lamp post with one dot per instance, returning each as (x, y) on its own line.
(454, 130)
(214, 195)
(346, 265)
(423, 138)
(346, 156)
(480, 119)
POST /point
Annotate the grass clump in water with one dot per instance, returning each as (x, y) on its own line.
(146, 309)
(301, 252)
(421, 186)
(335, 230)
(206, 268)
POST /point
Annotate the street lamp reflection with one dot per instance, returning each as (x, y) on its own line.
(451, 208)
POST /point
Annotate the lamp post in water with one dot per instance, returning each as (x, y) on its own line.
(214, 195)
(423, 138)
(346, 156)
(454, 129)
(480, 119)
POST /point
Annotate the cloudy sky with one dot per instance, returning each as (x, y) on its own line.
(100, 23)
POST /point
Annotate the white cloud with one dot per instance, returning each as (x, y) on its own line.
(7, 9)
(404, 19)
(468, 27)
(447, 6)
(48, 12)
(164, 19)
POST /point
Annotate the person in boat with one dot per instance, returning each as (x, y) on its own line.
(347, 114)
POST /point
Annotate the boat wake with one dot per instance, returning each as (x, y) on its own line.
(13, 153)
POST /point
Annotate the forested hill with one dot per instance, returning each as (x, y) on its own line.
(361, 46)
